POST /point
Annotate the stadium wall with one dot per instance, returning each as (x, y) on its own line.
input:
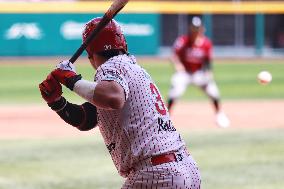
(53, 28)
(45, 34)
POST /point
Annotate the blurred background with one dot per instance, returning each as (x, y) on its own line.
(38, 150)
(237, 28)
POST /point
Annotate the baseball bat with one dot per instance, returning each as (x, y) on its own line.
(116, 6)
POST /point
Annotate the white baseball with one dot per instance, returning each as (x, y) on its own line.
(264, 77)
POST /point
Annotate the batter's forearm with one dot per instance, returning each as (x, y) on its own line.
(85, 89)
(83, 117)
(106, 94)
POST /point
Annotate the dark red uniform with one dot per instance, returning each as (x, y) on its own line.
(193, 56)
(194, 52)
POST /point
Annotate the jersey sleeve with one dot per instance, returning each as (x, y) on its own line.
(209, 49)
(178, 45)
(111, 72)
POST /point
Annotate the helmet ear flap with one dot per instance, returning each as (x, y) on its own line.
(125, 46)
(89, 53)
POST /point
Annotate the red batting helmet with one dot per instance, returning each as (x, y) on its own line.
(109, 38)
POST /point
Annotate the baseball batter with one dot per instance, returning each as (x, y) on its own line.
(192, 59)
(126, 105)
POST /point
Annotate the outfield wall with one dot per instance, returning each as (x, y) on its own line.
(54, 28)
(43, 34)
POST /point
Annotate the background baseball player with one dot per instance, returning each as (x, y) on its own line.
(192, 61)
(126, 105)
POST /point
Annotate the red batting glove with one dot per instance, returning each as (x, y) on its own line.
(50, 89)
(66, 74)
(62, 75)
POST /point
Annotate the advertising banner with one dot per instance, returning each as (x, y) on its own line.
(60, 34)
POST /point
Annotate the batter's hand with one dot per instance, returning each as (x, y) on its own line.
(50, 89)
(66, 74)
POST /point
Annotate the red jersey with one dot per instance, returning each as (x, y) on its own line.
(193, 56)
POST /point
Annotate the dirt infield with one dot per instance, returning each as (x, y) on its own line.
(40, 122)
(243, 114)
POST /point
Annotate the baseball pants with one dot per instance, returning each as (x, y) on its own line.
(180, 174)
(182, 79)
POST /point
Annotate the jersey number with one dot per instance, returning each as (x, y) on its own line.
(160, 106)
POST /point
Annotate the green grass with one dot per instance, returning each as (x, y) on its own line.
(235, 159)
(236, 79)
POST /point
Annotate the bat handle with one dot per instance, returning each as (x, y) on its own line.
(112, 11)
(105, 20)
(78, 53)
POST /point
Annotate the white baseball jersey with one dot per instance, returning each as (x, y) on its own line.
(142, 128)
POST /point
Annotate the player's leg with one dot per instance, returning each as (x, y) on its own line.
(179, 84)
(212, 91)
(205, 81)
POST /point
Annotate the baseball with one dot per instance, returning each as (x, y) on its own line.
(264, 77)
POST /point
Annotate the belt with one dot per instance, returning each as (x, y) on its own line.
(163, 158)
(160, 159)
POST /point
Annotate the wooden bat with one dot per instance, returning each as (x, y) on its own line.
(116, 6)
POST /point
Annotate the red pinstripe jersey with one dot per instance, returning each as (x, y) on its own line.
(142, 128)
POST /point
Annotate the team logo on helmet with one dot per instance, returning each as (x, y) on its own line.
(107, 47)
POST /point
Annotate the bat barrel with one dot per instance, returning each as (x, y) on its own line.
(112, 11)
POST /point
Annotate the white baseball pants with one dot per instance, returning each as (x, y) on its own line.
(182, 79)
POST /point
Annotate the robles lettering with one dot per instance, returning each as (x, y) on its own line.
(165, 125)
